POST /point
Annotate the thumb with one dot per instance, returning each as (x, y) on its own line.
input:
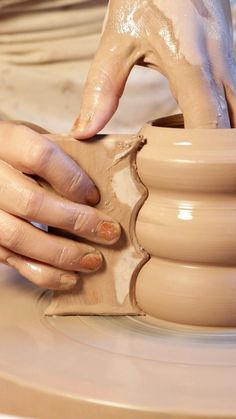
(104, 86)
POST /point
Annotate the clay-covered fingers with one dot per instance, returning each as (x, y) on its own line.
(229, 81)
(190, 42)
(104, 86)
(24, 198)
(24, 239)
(230, 93)
(33, 153)
(39, 273)
(208, 98)
(202, 98)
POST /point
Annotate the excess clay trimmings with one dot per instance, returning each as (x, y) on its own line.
(111, 161)
(187, 224)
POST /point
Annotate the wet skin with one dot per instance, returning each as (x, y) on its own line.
(188, 41)
(47, 260)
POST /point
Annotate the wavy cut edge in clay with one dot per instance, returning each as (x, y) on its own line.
(110, 291)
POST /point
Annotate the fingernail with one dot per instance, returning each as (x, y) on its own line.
(81, 124)
(67, 281)
(91, 261)
(108, 230)
(12, 261)
(92, 195)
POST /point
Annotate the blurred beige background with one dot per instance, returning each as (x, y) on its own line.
(46, 47)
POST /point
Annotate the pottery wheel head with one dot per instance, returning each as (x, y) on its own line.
(114, 366)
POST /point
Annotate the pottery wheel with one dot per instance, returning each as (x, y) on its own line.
(108, 367)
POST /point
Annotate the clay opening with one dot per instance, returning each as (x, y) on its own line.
(172, 121)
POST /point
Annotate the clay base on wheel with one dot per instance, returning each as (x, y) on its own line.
(108, 367)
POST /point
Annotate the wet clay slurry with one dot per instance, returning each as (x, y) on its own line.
(137, 367)
(111, 161)
(108, 367)
(188, 224)
(189, 42)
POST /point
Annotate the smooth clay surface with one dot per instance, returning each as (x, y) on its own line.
(108, 367)
(188, 224)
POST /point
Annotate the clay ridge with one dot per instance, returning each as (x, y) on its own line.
(187, 225)
(110, 291)
(133, 219)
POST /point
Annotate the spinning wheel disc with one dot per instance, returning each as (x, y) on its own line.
(108, 367)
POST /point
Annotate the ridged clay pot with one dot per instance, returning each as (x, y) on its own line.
(188, 224)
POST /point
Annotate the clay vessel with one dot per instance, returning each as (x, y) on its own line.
(184, 218)
(188, 224)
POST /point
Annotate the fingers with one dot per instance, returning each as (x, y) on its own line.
(22, 238)
(32, 153)
(26, 199)
(39, 273)
(104, 87)
(229, 81)
(230, 93)
(201, 99)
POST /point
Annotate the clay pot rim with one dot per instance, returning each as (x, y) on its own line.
(176, 121)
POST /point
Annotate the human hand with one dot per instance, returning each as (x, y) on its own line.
(45, 259)
(188, 41)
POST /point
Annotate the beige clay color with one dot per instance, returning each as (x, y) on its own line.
(140, 367)
(188, 224)
(111, 160)
(52, 262)
(108, 367)
(189, 41)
